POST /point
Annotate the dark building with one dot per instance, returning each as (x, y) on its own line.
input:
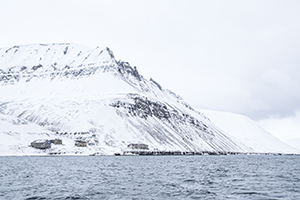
(41, 144)
(80, 143)
(138, 146)
(56, 141)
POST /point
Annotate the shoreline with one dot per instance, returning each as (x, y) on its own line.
(142, 153)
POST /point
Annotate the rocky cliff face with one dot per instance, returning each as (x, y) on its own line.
(65, 90)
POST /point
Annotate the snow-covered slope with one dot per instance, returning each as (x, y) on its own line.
(242, 129)
(295, 142)
(72, 92)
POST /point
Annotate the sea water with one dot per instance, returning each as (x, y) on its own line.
(150, 177)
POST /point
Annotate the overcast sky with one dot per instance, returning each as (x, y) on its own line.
(237, 56)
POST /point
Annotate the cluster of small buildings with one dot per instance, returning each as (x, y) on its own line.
(46, 144)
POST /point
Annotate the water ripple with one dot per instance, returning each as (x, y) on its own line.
(153, 177)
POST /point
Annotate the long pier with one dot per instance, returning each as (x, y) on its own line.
(158, 153)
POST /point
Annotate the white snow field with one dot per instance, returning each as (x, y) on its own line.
(242, 129)
(72, 92)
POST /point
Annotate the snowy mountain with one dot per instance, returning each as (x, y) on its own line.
(73, 93)
(248, 132)
(295, 142)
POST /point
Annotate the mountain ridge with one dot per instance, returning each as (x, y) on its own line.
(93, 93)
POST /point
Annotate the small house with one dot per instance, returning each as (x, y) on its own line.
(41, 144)
(56, 141)
(138, 146)
(80, 143)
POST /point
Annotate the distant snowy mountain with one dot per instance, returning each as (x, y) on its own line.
(72, 92)
(242, 129)
(295, 142)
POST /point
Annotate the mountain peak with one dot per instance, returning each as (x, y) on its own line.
(32, 60)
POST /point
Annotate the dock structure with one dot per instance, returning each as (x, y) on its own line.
(179, 153)
(157, 153)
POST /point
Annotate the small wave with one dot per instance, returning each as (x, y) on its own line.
(36, 198)
(189, 180)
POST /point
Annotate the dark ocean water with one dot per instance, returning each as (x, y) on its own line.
(150, 177)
